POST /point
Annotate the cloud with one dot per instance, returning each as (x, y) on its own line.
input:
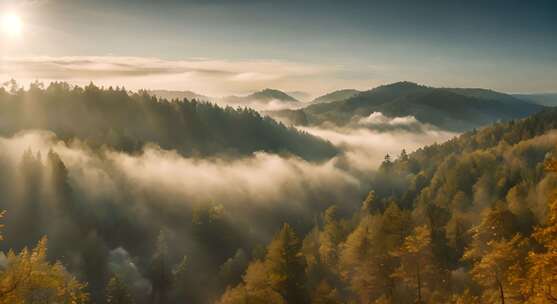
(366, 145)
(378, 119)
(259, 179)
(207, 76)
(121, 264)
(157, 180)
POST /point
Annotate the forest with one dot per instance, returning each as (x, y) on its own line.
(453, 109)
(118, 197)
(112, 117)
(473, 220)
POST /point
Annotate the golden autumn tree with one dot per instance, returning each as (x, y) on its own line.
(278, 279)
(541, 283)
(500, 269)
(255, 288)
(416, 260)
(329, 238)
(28, 278)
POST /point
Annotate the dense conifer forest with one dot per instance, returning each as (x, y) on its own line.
(112, 117)
(472, 220)
(94, 213)
(278, 152)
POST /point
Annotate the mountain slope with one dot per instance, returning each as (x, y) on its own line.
(263, 96)
(444, 207)
(127, 122)
(449, 109)
(168, 94)
(549, 99)
(300, 95)
(336, 96)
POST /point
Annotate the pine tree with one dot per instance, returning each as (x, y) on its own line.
(541, 284)
(365, 262)
(369, 204)
(499, 269)
(329, 238)
(161, 274)
(286, 266)
(416, 261)
(117, 292)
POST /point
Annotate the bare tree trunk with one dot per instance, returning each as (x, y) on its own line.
(501, 293)
(419, 282)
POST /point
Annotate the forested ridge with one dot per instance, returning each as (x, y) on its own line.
(472, 220)
(112, 117)
(446, 108)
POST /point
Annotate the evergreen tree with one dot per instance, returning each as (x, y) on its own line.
(500, 269)
(286, 266)
(161, 274)
(540, 285)
(117, 292)
(416, 261)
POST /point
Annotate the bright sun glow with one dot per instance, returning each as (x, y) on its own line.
(12, 25)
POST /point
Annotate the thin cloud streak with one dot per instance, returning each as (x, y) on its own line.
(206, 76)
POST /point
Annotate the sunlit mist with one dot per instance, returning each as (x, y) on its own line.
(12, 25)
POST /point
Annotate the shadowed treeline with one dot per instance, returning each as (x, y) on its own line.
(122, 121)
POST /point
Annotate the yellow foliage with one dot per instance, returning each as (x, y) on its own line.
(500, 270)
(29, 278)
(541, 285)
(416, 258)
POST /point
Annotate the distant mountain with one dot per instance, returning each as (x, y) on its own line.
(336, 96)
(263, 96)
(547, 99)
(447, 108)
(189, 95)
(299, 95)
(270, 94)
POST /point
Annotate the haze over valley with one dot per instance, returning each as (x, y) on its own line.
(292, 152)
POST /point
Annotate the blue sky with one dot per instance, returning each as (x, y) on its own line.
(314, 46)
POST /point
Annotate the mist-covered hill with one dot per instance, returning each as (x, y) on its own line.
(174, 224)
(114, 118)
(263, 96)
(549, 99)
(300, 95)
(172, 94)
(446, 108)
(336, 96)
(471, 220)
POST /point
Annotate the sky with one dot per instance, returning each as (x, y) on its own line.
(237, 46)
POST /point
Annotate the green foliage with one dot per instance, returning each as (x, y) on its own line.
(117, 292)
(125, 121)
(280, 278)
(450, 109)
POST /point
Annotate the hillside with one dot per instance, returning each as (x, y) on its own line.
(449, 109)
(127, 122)
(336, 96)
(169, 94)
(263, 96)
(300, 95)
(469, 221)
(549, 99)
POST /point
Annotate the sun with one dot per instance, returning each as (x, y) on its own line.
(12, 25)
